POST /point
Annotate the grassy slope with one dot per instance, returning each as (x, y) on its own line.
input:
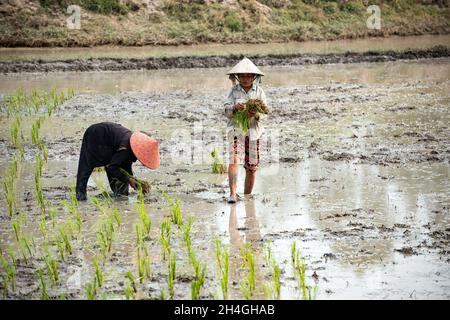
(238, 21)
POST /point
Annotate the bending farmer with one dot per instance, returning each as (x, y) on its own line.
(116, 148)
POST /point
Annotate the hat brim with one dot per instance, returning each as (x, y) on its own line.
(145, 149)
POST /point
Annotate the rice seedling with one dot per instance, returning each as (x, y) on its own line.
(186, 229)
(16, 136)
(64, 237)
(70, 92)
(51, 264)
(199, 277)
(222, 258)
(9, 274)
(17, 227)
(52, 214)
(43, 227)
(299, 265)
(98, 273)
(139, 229)
(35, 129)
(130, 277)
(171, 275)
(175, 209)
(116, 216)
(27, 244)
(143, 264)
(9, 190)
(38, 183)
(273, 290)
(105, 238)
(143, 216)
(217, 165)
(91, 290)
(129, 293)
(248, 285)
(72, 207)
(61, 249)
(165, 236)
(43, 285)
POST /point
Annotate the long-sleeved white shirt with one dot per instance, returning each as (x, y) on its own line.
(238, 95)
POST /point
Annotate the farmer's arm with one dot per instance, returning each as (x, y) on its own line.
(229, 105)
(117, 163)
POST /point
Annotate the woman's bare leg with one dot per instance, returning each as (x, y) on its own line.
(249, 181)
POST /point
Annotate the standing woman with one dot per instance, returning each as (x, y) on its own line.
(247, 76)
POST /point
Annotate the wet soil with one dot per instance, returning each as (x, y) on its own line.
(356, 173)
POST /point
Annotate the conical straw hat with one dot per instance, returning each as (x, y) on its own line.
(145, 149)
(245, 66)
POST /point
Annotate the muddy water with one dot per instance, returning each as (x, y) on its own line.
(338, 46)
(204, 79)
(362, 182)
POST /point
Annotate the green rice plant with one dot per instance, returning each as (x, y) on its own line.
(43, 285)
(105, 238)
(241, 118)
(130, 277)
(217, 165)
(27, 243)
(9, 274)
(222, 258)
(98, 273)
(43, 226)
(139, 229)
(62, 97)
(199, 278)
(143, 216)
(171, 275)
(143, 264)
(129, 293)
(9, 189)
(248, 285)
(25, 248)
(52, 213)
(91, 290)
(175, 208)
(16, 136)
(273, 290)
(17, 225)
(72, 207)
(35, 131)
(299, 265)
(116, 216)
(38, 183)
(65, 240)
(186, 229)
(51, 264)
(70, 92)
(165, 236)
(35, 99)
(61, 249)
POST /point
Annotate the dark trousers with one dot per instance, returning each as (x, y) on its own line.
(86, 165)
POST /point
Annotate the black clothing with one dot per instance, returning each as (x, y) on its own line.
(106, 144)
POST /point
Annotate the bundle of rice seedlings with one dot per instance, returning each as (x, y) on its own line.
(241, 118)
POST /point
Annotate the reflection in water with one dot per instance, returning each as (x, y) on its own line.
(205, 79)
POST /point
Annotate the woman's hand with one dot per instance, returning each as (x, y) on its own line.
(136, 183)
(238, 107)
(251, 114)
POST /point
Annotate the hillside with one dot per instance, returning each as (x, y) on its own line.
(42, 23)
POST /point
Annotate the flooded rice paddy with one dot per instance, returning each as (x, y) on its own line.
(355, 169)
